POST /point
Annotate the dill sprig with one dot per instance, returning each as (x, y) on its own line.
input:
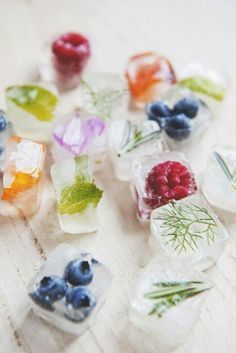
(184, 225)
(169, 294)
(101, 102)
(134, 137)
(225, 168)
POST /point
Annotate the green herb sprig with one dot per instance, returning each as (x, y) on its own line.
(225, 168)
(169, 294)
(179, 226)
(134, 137)
(102, 102)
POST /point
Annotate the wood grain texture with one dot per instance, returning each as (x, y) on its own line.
(184, 31)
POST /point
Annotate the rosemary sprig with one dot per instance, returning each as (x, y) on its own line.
(101, 102)
(225, 168)
(169, 294)
(134, 137)
(184, 225)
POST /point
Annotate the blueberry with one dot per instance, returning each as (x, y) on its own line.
(80, 298)
(158, 112)
(188, 106)
(79, 272)
(178, 127)
(3, 123)
(43, 302)
(52, 287)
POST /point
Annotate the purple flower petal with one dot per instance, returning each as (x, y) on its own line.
(77, 134)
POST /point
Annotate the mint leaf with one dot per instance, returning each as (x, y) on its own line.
(205, 86)
(36, 100)
(77, 197)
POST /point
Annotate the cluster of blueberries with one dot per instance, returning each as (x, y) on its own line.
(72, 288)
(176, 122)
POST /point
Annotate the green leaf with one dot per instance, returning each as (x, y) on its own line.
(77, 197)
(36, 100)
(205, 86)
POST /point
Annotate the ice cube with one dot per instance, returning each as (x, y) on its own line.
(157, 180)
(23, 174)
(129, 140)
(188, 229)
(69, 289)
(188, 120)
(167, 303)
(31, 109)
(149, 76)
(79, 135)
(219, 182)
(63, 60)
(6, 130)
(77, 195)
(104, 95)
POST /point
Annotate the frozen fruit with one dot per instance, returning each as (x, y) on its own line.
(3, 123)
(158, 111)
(79, 272)
(178, 127)
(53, 287)
(71, 51)
(42, 301)
(188, 106)
(168, 181)
(148, 76)
(80, 298)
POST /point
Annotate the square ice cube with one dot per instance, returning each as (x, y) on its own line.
(77, 195)
(189, 230)
(69, 289)
(31, 108)
(77, 135)
(189, 121)
(167, 302)
(129, 140)
(23, 174)
(157, 180)
(219, 182)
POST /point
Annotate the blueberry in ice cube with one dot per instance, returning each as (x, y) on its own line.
(79, 272)
(188, 106)
(80, 298)
(53, 287)
(178, 127)
(42, 301)
(158, 111)
(3, 123)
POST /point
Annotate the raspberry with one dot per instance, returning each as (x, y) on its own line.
(71, 52)
(168, 181)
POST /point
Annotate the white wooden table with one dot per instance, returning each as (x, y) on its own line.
(184, 31)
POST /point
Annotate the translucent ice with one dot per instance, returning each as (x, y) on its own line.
(158, 180)
(31, 109)
(129, 140)
(219, 183)
(188, 229)
(77, 195)
(69, 289)
(167, 303)
(79, 135)
(23, 174)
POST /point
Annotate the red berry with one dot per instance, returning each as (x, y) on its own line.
(71, 53)
(168, 181)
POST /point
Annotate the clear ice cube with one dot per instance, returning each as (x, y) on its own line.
(77, 196)
(31, 109)
(129, 140)
(53, 305)
(219, 182)
(77, 135)
(188, 230)
(167, 302)
(22, 178)
(157, 180)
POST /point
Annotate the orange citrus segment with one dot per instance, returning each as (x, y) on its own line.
(22, 182)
